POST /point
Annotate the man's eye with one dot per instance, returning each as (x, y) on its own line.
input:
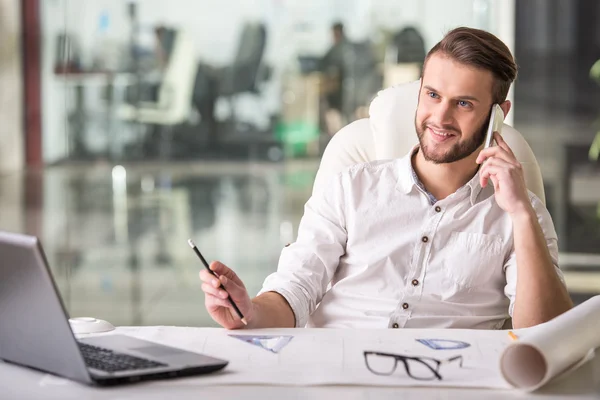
(433, 95)
(463, 103)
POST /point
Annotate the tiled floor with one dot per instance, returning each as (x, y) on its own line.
(116, 236)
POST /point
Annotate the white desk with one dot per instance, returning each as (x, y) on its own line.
(22, 383)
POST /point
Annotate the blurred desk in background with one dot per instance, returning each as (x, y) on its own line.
(299, 126)
(110, 87)
(395, 74)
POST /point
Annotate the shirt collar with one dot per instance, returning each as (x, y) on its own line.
(406, 180)
(475, 188)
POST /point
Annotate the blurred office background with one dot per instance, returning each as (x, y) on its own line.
(128, 127)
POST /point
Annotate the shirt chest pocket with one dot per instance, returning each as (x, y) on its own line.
(472, 258)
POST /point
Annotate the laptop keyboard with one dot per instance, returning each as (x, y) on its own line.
(107, 360)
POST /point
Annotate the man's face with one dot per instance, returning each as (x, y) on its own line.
(454, 108)
(338, 35)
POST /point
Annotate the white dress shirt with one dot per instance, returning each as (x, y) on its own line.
(373, 252)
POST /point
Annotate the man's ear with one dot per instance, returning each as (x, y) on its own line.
(505, 106)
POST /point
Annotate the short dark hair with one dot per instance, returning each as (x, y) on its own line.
(338, 26)
(480, 49)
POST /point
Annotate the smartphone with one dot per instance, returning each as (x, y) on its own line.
(495, 125)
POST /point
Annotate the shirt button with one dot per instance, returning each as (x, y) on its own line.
(415, 282)
(395, 326)
(425, 239)
(405, 305)
(438, 209)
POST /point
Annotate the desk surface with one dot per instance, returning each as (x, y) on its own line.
(22, 383)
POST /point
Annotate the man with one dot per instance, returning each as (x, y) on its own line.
(347, 62)
(424, 241)
(334, 65)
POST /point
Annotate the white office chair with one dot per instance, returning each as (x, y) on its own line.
(174, 102)
(389, 133)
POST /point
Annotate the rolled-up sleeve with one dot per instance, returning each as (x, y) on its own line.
(510, 267)
(307, 266)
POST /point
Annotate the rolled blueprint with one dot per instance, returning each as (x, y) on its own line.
(549, 349)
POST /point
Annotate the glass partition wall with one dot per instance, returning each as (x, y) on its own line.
(164, 121)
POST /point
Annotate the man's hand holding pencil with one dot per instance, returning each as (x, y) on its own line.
(226, 298)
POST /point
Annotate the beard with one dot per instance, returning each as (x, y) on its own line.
(459, 150)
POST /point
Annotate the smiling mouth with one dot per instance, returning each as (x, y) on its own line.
(440, 135)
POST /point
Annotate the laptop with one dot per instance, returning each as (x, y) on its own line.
(35, 330)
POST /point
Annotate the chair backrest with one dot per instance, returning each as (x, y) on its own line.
(242, 76)
(361, 78)
(410, 46)
(176, 89)
(389, 133)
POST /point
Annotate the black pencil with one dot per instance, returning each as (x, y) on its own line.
(235, 307)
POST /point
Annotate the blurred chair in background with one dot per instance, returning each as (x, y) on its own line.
(244, 75)
(595, 147)
(406, 61)
(410, 46)
(174, 101)
(165, 38)
(594, 152)
(247, 71)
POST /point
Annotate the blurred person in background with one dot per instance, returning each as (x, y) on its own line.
(333, 66)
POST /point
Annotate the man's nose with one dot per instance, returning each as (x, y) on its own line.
(443, 115)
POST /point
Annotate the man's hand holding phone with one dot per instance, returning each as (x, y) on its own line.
(506, 173)
(500, 165)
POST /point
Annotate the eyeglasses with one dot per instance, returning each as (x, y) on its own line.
(421, 368)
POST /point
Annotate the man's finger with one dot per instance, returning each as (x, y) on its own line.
(487, 153)
(483, 176)
(487, 171)
(209, 289)
(495, 181)
(213, 302)
(207, 277)
(507, 166)
(221, 269)
(237, 292)
(502, 144)
(496, 152)
(491, 170)
(499, 162)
